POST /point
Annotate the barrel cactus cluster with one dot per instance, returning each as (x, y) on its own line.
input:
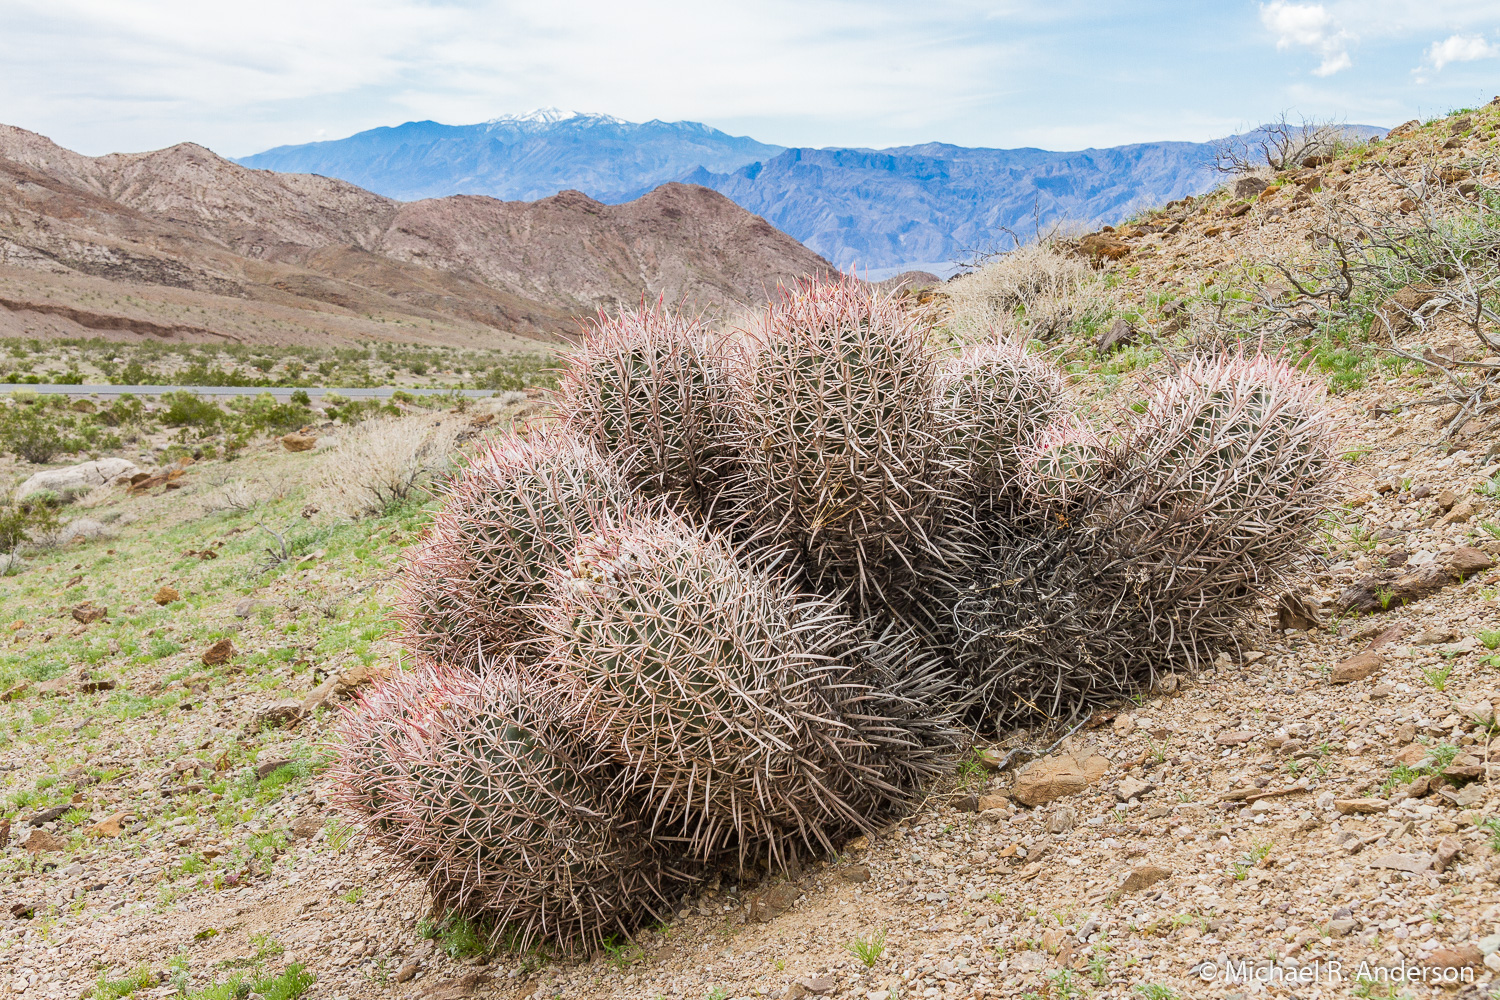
(743, 597)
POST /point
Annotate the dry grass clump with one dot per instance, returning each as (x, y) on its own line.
(1031, 293)
(384, 463)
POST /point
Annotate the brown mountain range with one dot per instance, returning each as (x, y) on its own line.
(182, 243)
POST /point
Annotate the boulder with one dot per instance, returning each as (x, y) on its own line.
(78, 478)
(1047, 779)
(299, 442)
(1388, 591)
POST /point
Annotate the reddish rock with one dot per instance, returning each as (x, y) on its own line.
(1047, 779)
(1464, 561)
(219, 653)
(1357, 667)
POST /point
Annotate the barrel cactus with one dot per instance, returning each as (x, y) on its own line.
(482, 784)
(996, 400)
(506, 525)
(1178, 528)
(647, 388)
(841, 441)
(720, 696)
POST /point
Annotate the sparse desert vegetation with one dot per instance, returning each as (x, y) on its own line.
(1314, 784)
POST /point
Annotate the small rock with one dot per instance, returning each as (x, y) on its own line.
(1047, 779)
(1460, 513)
(767, 905)
(1234, 739)
(1062, 820)
(219, 653)
(88, 612)
(318, 696)
(299, 442)
(276, 714)
(264, 769)
(1144, 875)
(817, 986)
(1249, 187)
(989, 758)
(1403, 862)
(407, 970)
(1464, 561)
(47, 815)
(110, 826)
(1357, 667)
(1413, 755)
(306, 826)
(1120, 334)
(855, 873)
(1448, 849)
(1341, 927)
(1124, 725)
(987, 802)
(37, 841)
(166, 595)
(1133, 788)
(1296, 611)
(1349, 807)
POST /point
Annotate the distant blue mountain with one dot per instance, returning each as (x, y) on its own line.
(520, 158)
(923, 207)
(878, 210)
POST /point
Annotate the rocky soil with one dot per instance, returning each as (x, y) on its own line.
(1317, 805)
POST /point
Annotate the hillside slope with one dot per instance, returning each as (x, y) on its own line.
(185, 218)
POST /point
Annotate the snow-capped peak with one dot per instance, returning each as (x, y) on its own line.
(554, 116)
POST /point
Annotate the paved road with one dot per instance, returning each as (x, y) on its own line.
(383, 392)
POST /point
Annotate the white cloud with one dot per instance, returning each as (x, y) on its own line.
(1460, 48)
(1310, 26)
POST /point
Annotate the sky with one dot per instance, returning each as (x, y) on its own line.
(104, 76)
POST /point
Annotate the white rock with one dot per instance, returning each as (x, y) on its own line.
(101, 473)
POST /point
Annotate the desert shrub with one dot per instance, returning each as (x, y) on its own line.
(264, 414)
(385, 463)
(1034, 292)
(352, 411)
(23, 521)
(40, 430)
(188, 409)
